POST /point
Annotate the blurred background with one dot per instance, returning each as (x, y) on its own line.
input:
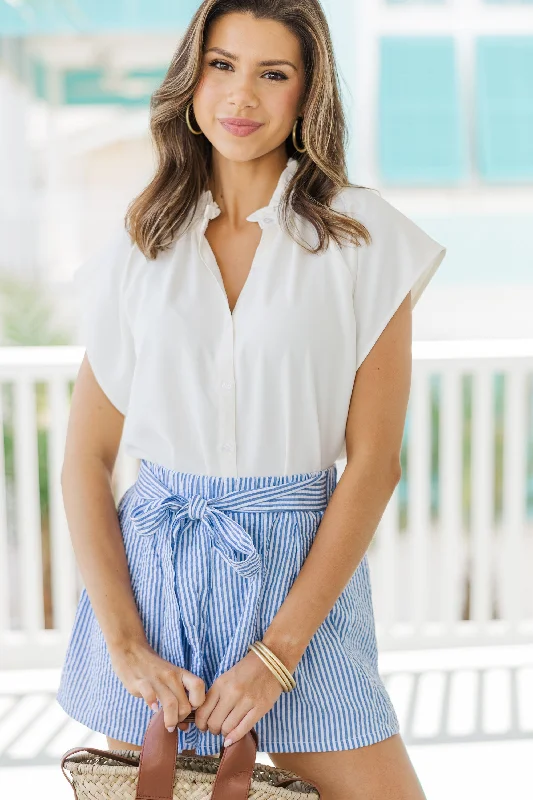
(439, 100)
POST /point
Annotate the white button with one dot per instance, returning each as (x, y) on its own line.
(226, 384)
(268, 219)
(227, 446)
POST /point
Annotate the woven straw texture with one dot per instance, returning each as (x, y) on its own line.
(98, 778)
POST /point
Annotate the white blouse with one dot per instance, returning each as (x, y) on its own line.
(265, 390)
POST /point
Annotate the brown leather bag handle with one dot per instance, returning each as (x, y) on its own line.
(157, 764)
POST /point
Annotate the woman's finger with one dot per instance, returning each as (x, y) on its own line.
(202, 714)
(174, 701)
(147, 692)
(236, 716)
(195, 687)
(219, 713)
(177, 679)
(246, 724)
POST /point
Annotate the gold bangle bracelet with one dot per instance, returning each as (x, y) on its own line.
(275, 670)
(277, 674)
(274, 658)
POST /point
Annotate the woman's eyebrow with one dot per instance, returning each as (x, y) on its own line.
(273, 62)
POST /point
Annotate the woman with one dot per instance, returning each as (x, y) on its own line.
(244, 362)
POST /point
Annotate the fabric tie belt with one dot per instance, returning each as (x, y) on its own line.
(183, 523)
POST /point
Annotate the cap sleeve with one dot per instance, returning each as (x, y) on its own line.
(401, 258)
(100, 286)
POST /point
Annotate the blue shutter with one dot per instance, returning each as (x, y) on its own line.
(421, 132)
(505, 108)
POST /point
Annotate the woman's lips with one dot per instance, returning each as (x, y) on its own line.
(240, 127)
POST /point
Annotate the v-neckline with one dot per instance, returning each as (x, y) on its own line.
(215, 269)
(265, 217)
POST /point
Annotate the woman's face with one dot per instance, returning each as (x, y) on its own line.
(234, 84)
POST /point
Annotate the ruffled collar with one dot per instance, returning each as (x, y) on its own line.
(209, 209)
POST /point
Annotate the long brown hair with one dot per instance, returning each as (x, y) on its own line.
(154, 218)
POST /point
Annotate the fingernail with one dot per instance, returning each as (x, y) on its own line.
(227, 742)
(172, 729)
(154, 707)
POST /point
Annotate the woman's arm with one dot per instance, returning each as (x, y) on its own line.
(374, 432)
(93, 437)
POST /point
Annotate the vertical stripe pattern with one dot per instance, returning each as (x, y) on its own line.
(211, 560)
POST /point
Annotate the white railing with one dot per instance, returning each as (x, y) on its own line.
(451, 560)
(449, 580)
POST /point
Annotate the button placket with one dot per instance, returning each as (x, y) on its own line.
(227, 428)
(267, 218)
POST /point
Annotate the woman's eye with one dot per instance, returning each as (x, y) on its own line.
(216, 61)
(280, 75)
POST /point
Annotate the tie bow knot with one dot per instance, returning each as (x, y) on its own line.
(196, 506)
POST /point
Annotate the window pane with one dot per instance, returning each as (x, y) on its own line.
(421, 135)
(505, 108)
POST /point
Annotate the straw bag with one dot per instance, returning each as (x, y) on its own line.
(158, 773)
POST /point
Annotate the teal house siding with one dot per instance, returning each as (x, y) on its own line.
(89, 87)
(94, 16)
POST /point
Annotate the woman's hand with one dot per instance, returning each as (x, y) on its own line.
(145, 674)
(238, 699)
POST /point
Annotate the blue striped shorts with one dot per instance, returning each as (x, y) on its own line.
(211, 560)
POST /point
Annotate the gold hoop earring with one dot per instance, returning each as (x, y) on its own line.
(188, 121)
(299, 149)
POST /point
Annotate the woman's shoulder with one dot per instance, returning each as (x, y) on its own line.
(390, 229)
(366, 204)
(113, 261)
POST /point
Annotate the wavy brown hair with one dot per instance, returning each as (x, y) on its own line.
(155, 217)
